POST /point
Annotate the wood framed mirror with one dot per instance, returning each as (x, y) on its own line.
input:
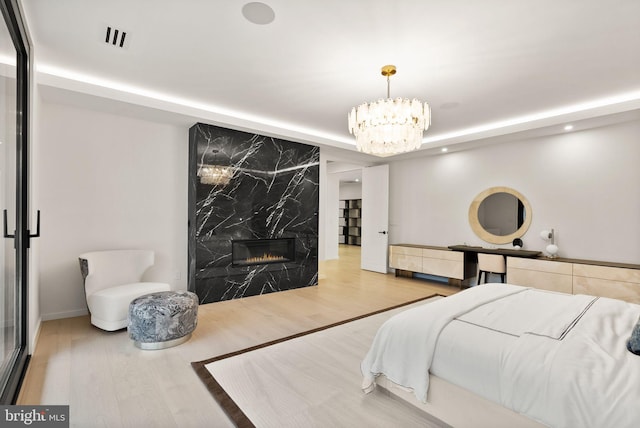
(499, 215)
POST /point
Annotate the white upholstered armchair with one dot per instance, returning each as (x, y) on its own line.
(112, 279)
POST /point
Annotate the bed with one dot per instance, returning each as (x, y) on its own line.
(517, 355)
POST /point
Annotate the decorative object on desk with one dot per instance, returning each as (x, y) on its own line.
(391, 126)
(552, 248)
(498, 215)
(517, 243)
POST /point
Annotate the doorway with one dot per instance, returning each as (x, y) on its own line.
(349, 210)
(362, 212)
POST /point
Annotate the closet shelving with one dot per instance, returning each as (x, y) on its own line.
(349, 221)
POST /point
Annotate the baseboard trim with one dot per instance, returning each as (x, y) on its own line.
(66, 314)
(35, 336)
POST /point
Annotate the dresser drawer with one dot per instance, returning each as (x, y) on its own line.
(409, 251)
(457, 256)
(607, 281)
(443, 267)
(405, 262)
(541, 280)
(628, 291)
(607, 272)
(540, 265)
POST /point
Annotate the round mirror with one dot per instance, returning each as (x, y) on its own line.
(499, 215)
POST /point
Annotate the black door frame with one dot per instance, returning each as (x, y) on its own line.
(20, 358)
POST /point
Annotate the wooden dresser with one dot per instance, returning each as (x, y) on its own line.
(407, 259)
(573, 276)
(615, 280)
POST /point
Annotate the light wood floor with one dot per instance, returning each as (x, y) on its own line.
(109, 383)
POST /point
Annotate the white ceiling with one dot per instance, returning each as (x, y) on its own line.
(477, 63)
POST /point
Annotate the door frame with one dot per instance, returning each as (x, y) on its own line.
(372, 258)
(20, 358)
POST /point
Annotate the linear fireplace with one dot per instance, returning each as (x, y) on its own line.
(246, 252)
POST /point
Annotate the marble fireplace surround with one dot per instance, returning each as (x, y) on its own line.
(271, 194)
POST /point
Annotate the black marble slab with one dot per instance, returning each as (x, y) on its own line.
(273, 193)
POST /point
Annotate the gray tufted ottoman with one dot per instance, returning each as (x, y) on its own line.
(163, 319)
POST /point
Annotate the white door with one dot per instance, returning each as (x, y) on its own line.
(375, 218)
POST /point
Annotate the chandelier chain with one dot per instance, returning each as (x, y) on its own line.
(388, 86)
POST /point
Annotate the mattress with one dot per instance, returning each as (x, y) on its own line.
(556, 358)
(471, 348)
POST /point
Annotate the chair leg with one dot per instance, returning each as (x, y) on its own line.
(480, 277)
(502, 277)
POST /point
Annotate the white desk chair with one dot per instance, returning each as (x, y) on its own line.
(112, 279)
(491, 263)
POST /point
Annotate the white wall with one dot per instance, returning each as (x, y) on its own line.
(350, 190)
(110, 181)
(585, 185)
(329, 191)
(107, 182)
(34, 316)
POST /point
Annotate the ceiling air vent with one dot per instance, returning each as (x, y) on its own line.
(115, 37)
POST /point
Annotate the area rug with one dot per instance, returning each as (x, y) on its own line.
(309, 379)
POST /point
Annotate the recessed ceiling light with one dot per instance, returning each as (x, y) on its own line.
(258, 13)
(568, 127)
(444, 150)
(449, 105)
(356, 180)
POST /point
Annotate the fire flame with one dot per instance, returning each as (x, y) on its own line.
(266, 257)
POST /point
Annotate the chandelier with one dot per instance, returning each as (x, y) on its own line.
(216, 175)
(391, 126)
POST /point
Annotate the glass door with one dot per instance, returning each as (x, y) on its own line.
(14, 66)
(8, 103)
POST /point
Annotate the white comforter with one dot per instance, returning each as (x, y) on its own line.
(404, 345)
(562, 361)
